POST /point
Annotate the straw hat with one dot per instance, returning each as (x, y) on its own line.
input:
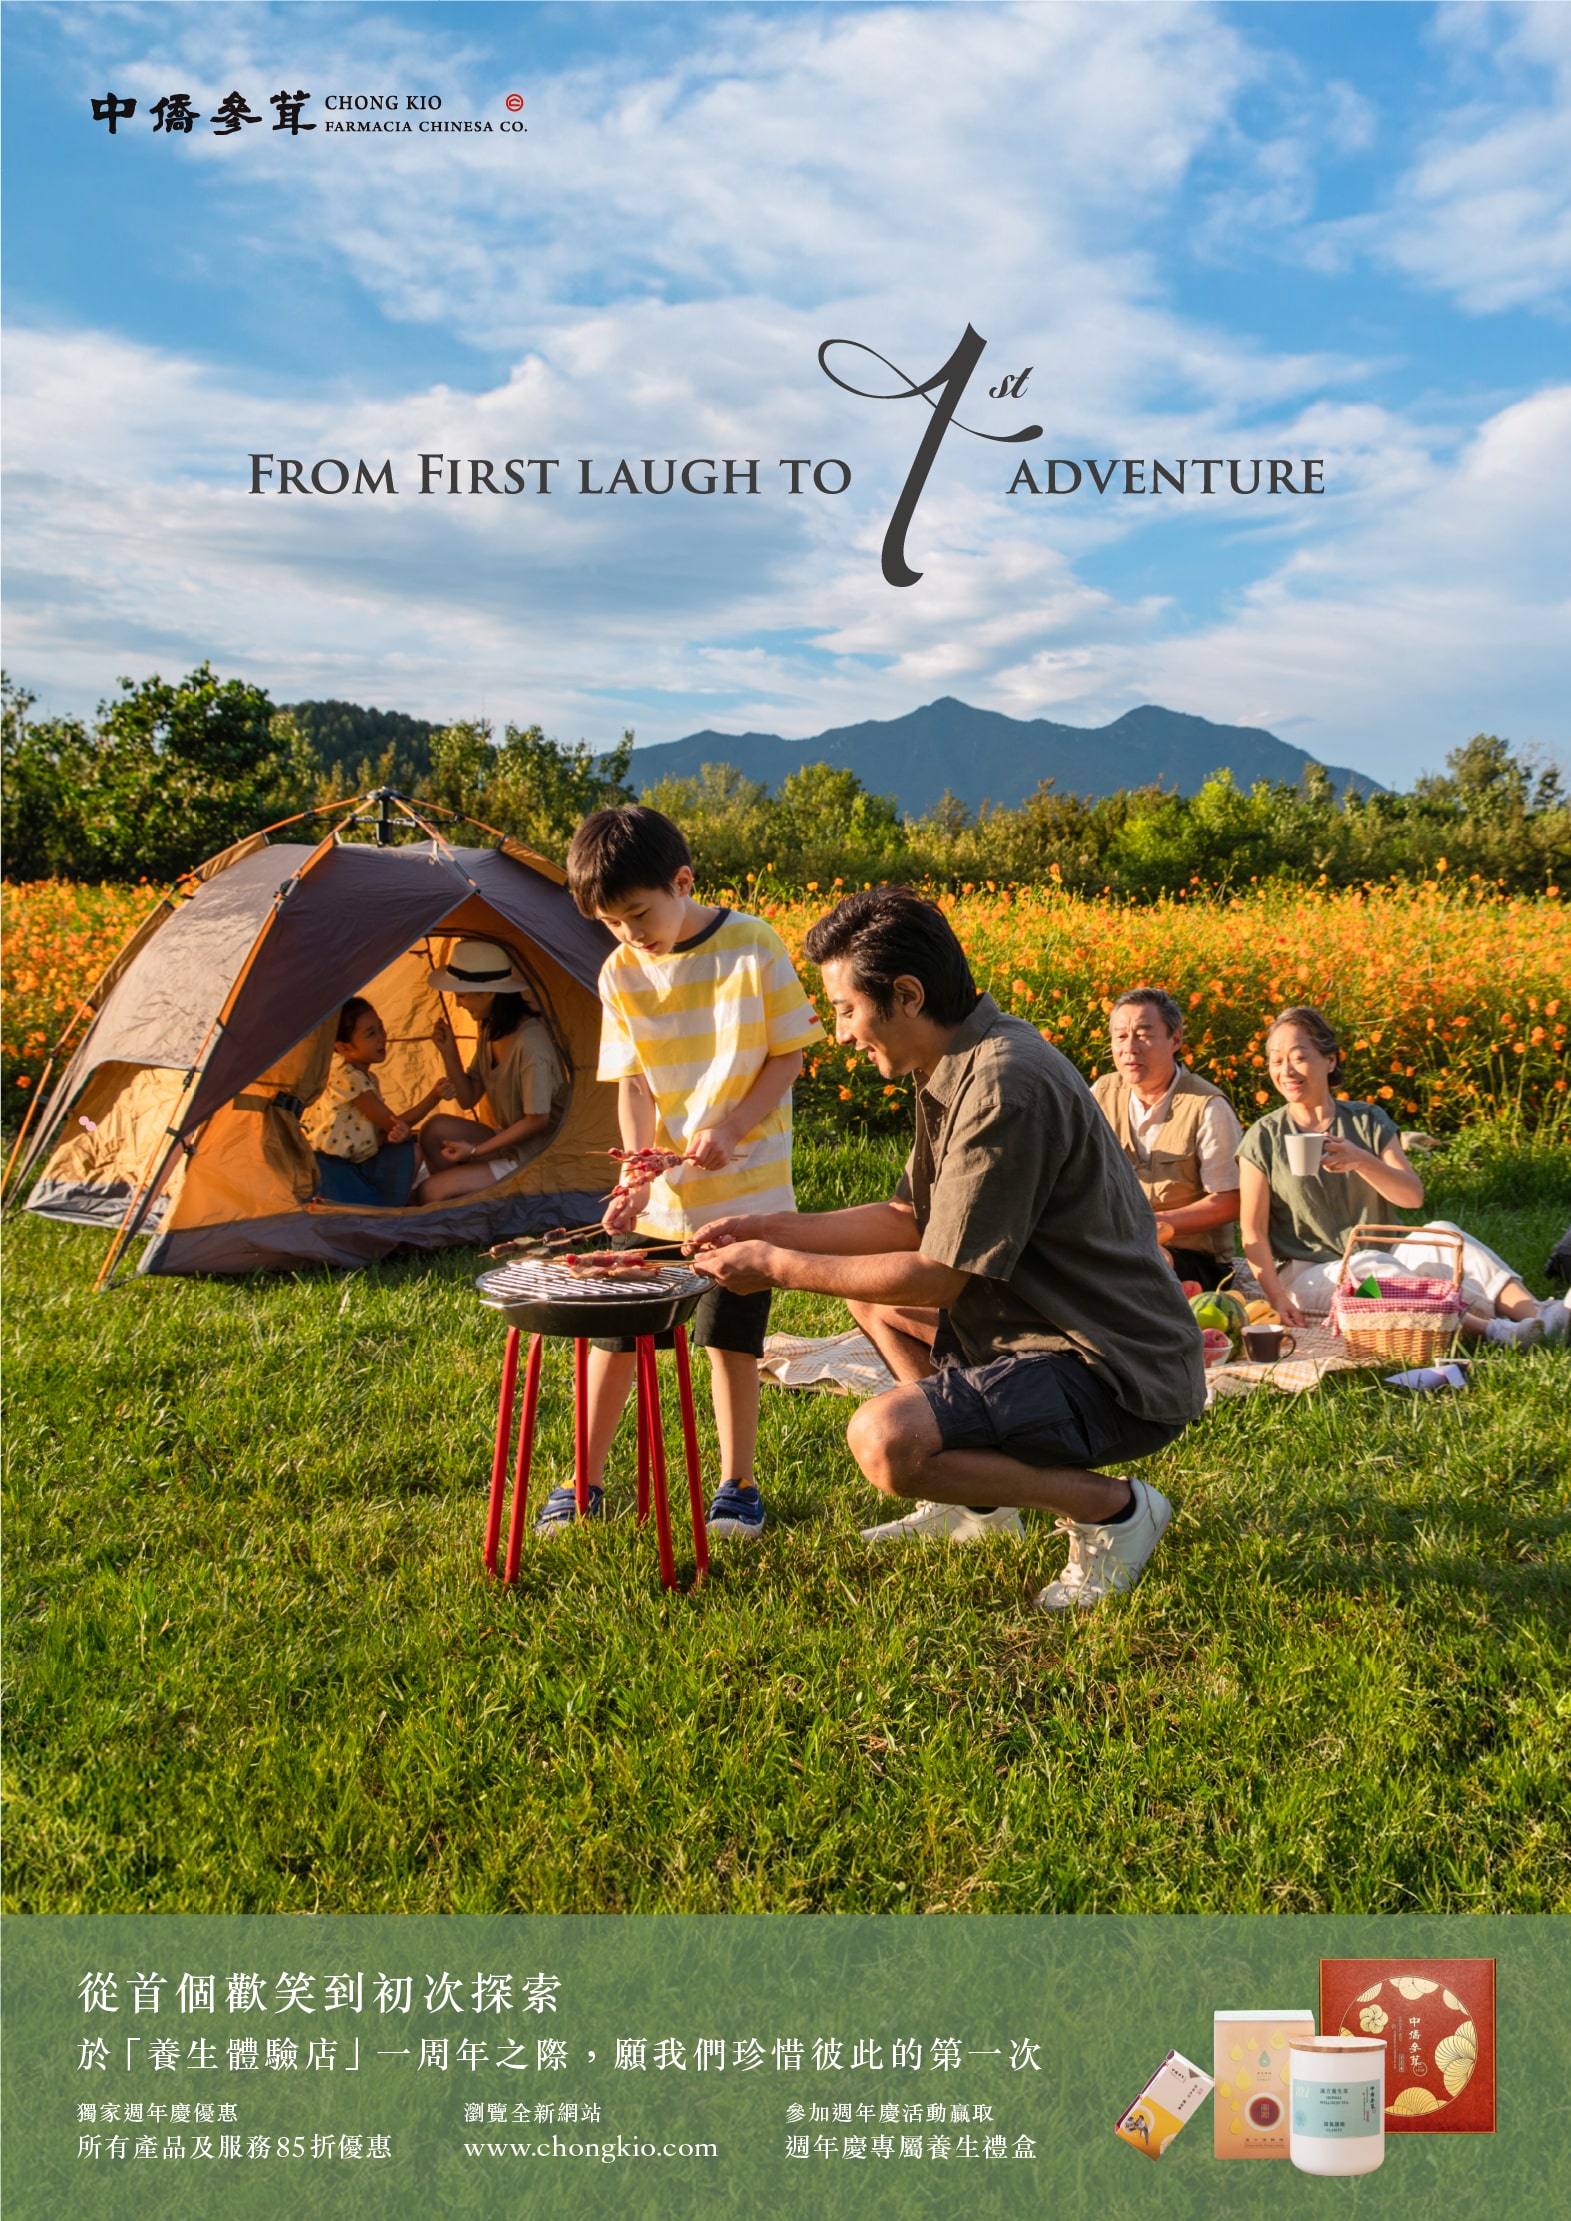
(480, 968)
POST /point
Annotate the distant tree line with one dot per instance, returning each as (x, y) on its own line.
(167, 774)
(1487, 813)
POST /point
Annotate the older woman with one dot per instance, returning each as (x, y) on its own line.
(1295, 1225)
(515, 1066)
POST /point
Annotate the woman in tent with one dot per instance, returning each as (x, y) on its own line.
(515, 1066)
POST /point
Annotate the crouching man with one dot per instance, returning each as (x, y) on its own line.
(1014, 1282)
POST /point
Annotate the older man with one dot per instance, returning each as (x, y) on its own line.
(1013, 1281)
(1179, 1133)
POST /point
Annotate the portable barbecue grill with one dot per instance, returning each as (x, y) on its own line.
(546, 1296)
(547, 1300)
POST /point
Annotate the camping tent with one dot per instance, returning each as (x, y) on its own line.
(214, 1028)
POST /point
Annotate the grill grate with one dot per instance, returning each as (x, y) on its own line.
(533, 1280)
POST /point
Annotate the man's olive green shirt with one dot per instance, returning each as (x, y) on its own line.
(1018, 1180)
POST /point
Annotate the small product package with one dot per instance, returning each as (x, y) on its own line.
(1252, 2080)
(1436, 2018)
(1172, 2096)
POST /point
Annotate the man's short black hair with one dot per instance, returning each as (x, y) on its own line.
(1160, 1001)
(617, 852)
(888, 933)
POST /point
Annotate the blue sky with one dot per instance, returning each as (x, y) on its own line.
(1339, 231)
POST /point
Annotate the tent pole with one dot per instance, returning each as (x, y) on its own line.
(415, 818)
(325, 809)
(21, 1133)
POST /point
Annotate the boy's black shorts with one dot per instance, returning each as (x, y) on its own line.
(724, 1320)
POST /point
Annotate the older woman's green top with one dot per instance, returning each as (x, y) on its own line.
(1311, 1217)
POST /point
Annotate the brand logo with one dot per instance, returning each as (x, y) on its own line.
(177, 116)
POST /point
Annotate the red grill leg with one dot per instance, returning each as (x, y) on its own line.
(641, 1406)
(581, 1425)
(504, 1434)
(649, 1383)
(695, 1486)
(526, 1443)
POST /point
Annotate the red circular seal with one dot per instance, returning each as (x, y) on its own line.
(515, 101)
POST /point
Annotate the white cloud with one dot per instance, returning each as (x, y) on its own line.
(789, 155)
(1483, 212)
(1444, 610)
(1425, 595)
(660, 263)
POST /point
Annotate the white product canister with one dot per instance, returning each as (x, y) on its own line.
(1336, 2104)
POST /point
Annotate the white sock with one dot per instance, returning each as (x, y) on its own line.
(1514, 1333)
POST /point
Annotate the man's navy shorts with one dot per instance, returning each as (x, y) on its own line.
(1044, 1407)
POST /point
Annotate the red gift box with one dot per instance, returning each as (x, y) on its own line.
(1437, 2017)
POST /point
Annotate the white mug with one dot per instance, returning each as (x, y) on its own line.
(1304, 1152)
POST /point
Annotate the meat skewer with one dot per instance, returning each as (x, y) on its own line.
(522, 1244)
(550, 1245)
(647, 1164)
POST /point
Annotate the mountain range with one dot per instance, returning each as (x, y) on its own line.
(980, 755)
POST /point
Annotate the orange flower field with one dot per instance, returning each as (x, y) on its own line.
(1450, 1003)
(1451, 1000)
(57, 938)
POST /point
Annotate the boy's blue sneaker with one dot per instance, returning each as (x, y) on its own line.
(738, 1509)
(560, 1510)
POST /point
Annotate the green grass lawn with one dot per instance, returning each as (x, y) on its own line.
(253, 1663)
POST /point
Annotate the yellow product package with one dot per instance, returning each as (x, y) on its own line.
(1174, 2093)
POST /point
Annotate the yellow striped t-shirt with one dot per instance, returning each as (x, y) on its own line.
(699, 1025)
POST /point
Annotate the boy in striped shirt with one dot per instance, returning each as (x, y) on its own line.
(703, 1026)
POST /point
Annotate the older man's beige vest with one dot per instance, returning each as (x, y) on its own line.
(1171, 1176)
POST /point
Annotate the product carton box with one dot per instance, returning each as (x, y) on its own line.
(1174, 2093)
(1251, 2080)
(1437, 2017)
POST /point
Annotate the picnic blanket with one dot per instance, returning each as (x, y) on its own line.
(841, 1364)
(1317, 1351)
(848, 1365)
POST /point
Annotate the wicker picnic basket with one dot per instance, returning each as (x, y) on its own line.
(1414, 1320)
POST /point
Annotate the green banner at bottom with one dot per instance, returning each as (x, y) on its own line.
(670, 2066)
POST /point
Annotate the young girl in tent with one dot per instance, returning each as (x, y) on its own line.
(365, 1153)
(1295, 1225)
(515, 1066)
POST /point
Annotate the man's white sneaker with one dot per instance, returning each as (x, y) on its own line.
(948, 1523)
(1105, 1561)
(1553, 1318)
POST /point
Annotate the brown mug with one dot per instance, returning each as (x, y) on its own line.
(1264, 1344)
